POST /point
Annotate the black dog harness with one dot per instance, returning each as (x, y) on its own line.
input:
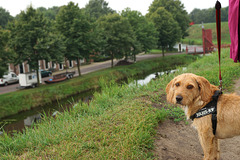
(210, 108)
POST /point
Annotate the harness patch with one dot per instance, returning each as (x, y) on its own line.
(205, 111)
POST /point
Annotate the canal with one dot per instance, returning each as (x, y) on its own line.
(18, 122)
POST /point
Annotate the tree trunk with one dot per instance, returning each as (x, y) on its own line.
(126, 57)
(38, 78)
(112, 59)
(78, 66)
(163, 51)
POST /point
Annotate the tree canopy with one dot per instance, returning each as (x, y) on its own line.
(4, 55)
(5, 17)
(145, 32)
(168, 30)
(74, 33)
(176, 8)
(199, 16)
(78, 32)
(98, 8)
(50, 13)
(118, 34)
(31, 39)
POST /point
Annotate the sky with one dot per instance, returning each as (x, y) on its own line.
(16, 6)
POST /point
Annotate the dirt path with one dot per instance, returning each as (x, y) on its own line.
(179, 141)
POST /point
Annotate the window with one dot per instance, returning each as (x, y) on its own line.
(54, 65)
(21, 70)
(61, 66)
(70, 64)
(46, 64)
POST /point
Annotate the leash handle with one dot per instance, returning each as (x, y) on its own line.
(218, 25)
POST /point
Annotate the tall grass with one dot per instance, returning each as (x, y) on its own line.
(118, 124)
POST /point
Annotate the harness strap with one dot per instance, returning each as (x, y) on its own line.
(210, 108)
(214, 115)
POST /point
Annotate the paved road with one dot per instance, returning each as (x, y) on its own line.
(86, 69)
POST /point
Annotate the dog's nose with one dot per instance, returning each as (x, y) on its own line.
(179, 98)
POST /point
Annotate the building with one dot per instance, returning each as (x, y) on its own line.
(24, 67)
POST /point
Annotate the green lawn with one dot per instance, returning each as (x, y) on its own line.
(159, 51)
(195, 33)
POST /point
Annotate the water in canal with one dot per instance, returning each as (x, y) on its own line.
(25, 119)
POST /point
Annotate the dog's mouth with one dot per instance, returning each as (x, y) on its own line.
(179, 102)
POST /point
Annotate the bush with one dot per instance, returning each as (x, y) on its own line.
(100, 58)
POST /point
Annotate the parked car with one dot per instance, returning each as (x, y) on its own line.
(45, 73)
(8, 78)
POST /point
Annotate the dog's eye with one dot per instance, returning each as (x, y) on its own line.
(189, 86)
(177, 84)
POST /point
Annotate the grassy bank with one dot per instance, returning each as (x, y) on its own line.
(118, 124)
(14, 102)
(195, 33)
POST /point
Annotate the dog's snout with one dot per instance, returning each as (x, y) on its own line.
(179, 98)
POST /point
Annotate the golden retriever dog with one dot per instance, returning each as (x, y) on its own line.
(192, 93)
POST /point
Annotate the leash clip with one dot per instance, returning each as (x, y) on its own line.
(220, 86)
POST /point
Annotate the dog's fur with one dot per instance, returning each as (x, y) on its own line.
(195, 92)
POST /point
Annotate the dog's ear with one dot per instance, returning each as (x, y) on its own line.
(205, 88)
(170, 90)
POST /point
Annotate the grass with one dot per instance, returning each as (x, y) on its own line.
(118, 124)
(111, 127)
(195, 33)
(14, 102)
(159, 51)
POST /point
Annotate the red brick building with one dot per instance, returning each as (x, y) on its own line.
(24, 67)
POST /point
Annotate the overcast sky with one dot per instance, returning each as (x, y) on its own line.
(15, 6)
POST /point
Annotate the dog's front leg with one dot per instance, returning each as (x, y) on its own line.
(208, 141)
(209, 145)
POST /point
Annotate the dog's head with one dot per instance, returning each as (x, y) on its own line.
(186, 88)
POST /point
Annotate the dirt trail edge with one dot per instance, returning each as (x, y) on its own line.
(179, 141)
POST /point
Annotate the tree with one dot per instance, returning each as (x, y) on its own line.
(32, 40)
(50, 13)
(168, 30)
(5, 17)
(78, 32)
(4, 55)
(207, 15)
(98, 8)
(176, 8)
(144, 30)
(118, 34)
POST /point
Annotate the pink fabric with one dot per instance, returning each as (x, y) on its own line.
(233, 17)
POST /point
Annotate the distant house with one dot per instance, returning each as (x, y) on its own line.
(24, 67)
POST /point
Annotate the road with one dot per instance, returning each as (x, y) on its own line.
(87, 69)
